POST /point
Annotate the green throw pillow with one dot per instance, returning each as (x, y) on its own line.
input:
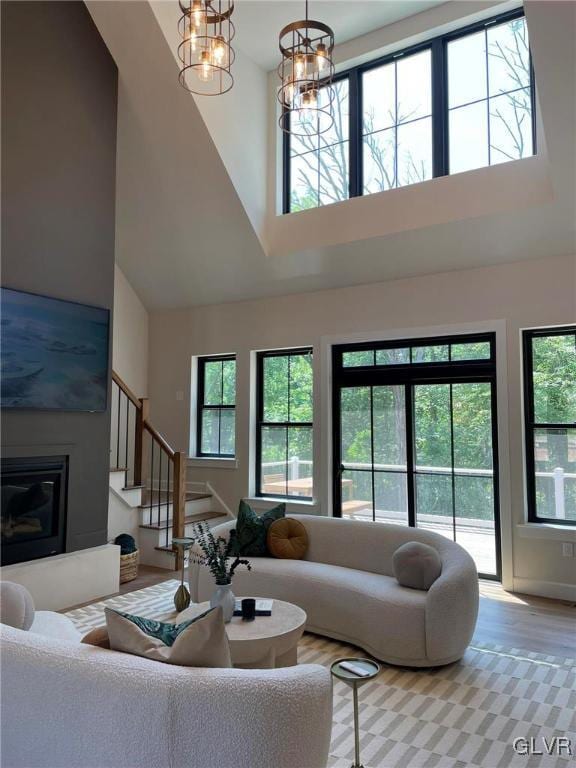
(249, 538)
(167, 633)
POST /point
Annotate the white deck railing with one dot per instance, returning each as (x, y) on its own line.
(558, 475)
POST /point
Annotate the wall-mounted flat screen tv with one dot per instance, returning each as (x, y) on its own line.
(54, 353)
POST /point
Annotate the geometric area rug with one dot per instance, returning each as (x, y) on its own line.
(465, 715)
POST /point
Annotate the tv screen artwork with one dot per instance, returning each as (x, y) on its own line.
(54, 353)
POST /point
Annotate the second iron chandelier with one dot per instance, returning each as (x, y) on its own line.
(306, 72)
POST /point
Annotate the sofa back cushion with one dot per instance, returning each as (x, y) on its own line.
(364, 546)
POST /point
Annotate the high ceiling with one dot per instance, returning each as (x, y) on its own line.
(185, 235)
(258, 22)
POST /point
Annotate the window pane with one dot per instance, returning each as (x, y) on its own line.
(434, 503)
(301, 388)
(379, 150)
(276, 388)
(414, 78)
(468, 137)
(341, 112)
(353, 359)
(510, 127)
(437, 353)
(415, 152)
(300, 461)
(508, 56)
(229, 382)
(479, 350)
(333, 169)
(304, 182)
(432, 432)
(392, 356)
(391, 497)
(274, 467)
(213, 382)
(554, 379)
(389, 427)
(300, 145)
(379, 98)
(472, 420)
(474, 523)
(555, 461)
(467, 69)
(227, 431)
(356, 440)
(357, 494)
(210, 430)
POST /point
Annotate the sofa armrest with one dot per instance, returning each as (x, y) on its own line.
(452, 607)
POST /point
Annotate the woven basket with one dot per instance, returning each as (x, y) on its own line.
(128, 567)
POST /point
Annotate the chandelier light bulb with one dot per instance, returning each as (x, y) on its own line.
(321, 56)
(193, 38)
(299, 66)
(219, 50)
(198, 13)
(310, 99)
(206, 70)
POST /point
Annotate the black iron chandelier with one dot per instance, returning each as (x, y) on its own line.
(306, 72)
(206, 53)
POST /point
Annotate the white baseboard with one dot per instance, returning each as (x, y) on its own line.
(552, 589)
(73, 578)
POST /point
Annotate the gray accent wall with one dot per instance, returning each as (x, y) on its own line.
(59, 102)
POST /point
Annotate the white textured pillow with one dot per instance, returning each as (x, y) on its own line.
(201, 642)
(16, 605)
(416, 565)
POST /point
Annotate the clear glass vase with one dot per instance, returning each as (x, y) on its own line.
(225, 597)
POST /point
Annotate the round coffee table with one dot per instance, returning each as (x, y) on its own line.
(266, 642)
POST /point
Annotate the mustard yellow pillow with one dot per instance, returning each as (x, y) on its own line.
(287, 539)
(98, 637)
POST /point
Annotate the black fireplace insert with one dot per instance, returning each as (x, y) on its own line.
(33, 518)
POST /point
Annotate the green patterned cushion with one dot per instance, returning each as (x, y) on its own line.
(167, 633)
(249, 538)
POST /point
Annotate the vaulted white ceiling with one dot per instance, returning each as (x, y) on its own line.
(258, 22)
(196, 217)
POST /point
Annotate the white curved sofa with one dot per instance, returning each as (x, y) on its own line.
(68, 705)
(347, 587)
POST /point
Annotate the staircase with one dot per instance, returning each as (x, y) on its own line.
(149, 496)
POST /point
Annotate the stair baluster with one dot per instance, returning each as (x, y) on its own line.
(135, 446)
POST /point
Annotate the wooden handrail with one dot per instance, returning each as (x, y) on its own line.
(126, 389)
(177, 460)
(159, 439)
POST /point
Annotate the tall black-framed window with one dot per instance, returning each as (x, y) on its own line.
(285, 414)
(460, 101)
(415, 438)
(550, 424)
(216, 411)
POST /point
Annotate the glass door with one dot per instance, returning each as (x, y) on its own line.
(415, 439)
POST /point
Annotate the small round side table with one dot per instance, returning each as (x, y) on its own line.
(182, 596)
(355, 681)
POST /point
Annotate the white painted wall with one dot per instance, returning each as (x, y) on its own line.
(520, 295)
(130, 336)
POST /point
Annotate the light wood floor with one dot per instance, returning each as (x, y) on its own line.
(516, 621)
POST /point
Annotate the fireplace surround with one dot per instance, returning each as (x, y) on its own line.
(34, 503)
